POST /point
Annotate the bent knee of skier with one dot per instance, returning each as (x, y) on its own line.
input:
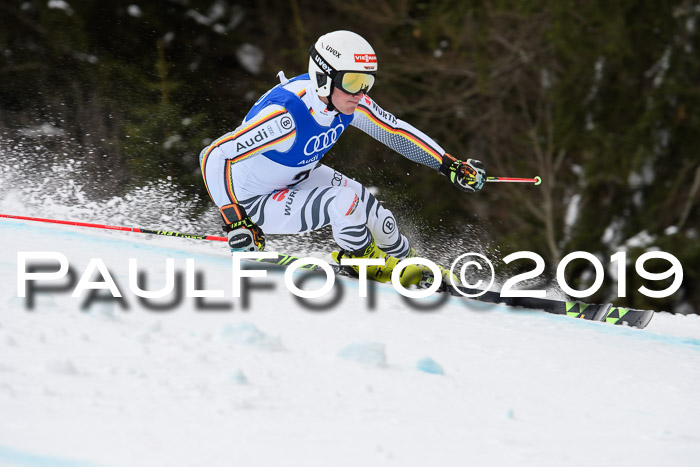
(384, 228)
(350, 231)
(348, 209)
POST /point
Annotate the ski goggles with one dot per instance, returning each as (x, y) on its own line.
(353, 82)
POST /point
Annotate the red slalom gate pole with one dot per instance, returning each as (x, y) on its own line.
(163, 233)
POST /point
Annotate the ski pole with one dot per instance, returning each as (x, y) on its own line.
(537, 180)
(164, 233)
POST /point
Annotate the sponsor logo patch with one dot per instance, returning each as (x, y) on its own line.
(239, 241)
(288, 204)
(365, 58)
(353, 206)
(279, 196)
(389, 225)
(322, 64)
(333, 51)
(383, 114)
(323, 142)
(286, 122)
(252, 141)
(308, 161)
(337, 178)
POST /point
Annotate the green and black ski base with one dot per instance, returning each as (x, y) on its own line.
(607, 313)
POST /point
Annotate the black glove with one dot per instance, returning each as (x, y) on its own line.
(243, 233)
(468, 176)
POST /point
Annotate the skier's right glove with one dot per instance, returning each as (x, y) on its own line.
(243, 234)
(468, 176)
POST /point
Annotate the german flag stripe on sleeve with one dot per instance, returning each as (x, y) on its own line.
(262, 148)
(238, 133)
(229, 183)
(397, 131)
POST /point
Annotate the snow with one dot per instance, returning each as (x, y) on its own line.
(671, 230)
(216, 16)
(45, 129)
(641, 240)
(660, 68)
(215, 13)
(135, 11)
(60, 5)
(572, 212)
(251, 58)
(273, 382)
(266, 380)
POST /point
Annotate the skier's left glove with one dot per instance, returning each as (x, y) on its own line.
(468, 176)
(243, 234)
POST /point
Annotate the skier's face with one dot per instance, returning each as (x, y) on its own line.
(344, 102)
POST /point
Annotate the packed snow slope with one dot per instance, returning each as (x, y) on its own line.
(279, 383)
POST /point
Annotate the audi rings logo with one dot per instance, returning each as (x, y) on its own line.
(337, 178)
(323, 141)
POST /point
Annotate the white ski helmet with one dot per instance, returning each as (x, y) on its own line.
(342, 59)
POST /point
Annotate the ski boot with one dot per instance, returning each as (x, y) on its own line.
(428, 279)
(411, 275)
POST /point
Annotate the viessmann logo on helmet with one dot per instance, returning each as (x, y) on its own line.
(365, 58)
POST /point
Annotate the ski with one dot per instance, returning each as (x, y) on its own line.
(607, 313)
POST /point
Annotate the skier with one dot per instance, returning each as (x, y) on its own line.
(267, 173)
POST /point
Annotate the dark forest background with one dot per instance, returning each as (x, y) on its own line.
(599, 98)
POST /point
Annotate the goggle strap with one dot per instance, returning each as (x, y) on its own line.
(322, 64)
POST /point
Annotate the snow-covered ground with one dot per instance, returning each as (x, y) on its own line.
(274, 382)
(281, 384)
